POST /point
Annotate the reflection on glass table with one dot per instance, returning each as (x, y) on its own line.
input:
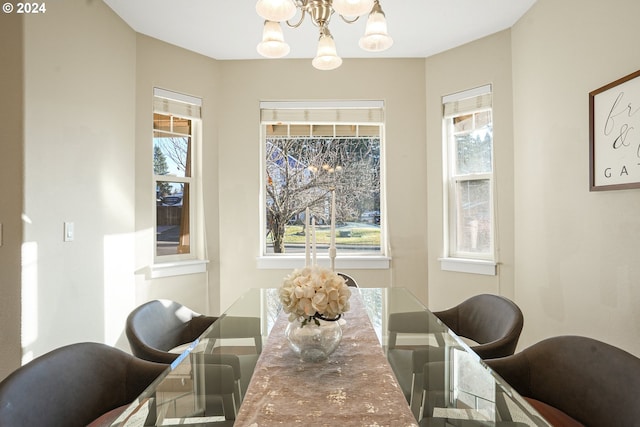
(444, 381)
(206, 385)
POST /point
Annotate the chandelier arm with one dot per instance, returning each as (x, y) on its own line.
(297, 24)
(349, 21)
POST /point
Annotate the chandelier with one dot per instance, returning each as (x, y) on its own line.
(375, 39)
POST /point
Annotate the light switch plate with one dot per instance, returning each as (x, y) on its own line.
(68, 232)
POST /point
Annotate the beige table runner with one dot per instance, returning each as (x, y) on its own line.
(355, 386)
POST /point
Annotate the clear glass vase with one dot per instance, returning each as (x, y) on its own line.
(313, 342)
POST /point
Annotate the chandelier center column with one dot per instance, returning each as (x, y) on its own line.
(320, 11)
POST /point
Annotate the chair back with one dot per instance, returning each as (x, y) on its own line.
(412, 322)
(158, 326)
(492, 321)
(236, 327)
(592, 382)
(348, 279)
(73, 386)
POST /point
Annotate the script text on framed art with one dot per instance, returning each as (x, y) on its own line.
(614, 135)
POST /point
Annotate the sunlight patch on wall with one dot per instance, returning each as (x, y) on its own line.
(29, 298)
(119, 284)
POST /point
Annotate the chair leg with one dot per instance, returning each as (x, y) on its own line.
(416, 393)
(238, 392)
(229, 407)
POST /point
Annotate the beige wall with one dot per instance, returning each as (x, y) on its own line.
(79, 167)
(577, 252)
(400, 83)
(486, 61)
(11, 172)
(159, 64)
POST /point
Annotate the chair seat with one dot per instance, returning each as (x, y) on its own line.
(106, 420)
(554, 416)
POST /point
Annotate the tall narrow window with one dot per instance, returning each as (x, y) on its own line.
(311, 149)
(468, 131)
(176, 120)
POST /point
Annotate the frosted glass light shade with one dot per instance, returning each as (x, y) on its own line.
(276, 10)
(376, 38)
(272, 44)
(326, 56)
(352, 7)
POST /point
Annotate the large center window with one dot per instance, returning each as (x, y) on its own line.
(309, 153)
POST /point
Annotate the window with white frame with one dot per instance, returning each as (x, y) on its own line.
(310, 149)
(468, 160)
(176, 133)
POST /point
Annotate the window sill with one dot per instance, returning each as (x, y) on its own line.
(342, 263)
(472, 266)
(178, 268)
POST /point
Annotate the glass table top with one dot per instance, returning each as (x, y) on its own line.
(443, 381)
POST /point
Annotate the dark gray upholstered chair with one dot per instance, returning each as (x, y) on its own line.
(407, 360)
(156, 327)
(350, 280)
(591, 382)
(233, 361)
(218, 391)
(234, 333)
(75, 385)
(492, 321)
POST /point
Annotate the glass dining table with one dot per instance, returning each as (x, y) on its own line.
(241, 372)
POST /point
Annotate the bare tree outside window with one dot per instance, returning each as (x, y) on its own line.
(300, 174)
(174, 149)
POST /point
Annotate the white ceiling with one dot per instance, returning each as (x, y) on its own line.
(231, 29)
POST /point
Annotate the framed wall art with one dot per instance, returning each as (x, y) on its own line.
(614, 135)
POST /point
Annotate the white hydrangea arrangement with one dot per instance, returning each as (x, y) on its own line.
(314, 293)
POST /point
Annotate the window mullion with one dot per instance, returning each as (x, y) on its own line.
(173, 178)
(472, 177)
